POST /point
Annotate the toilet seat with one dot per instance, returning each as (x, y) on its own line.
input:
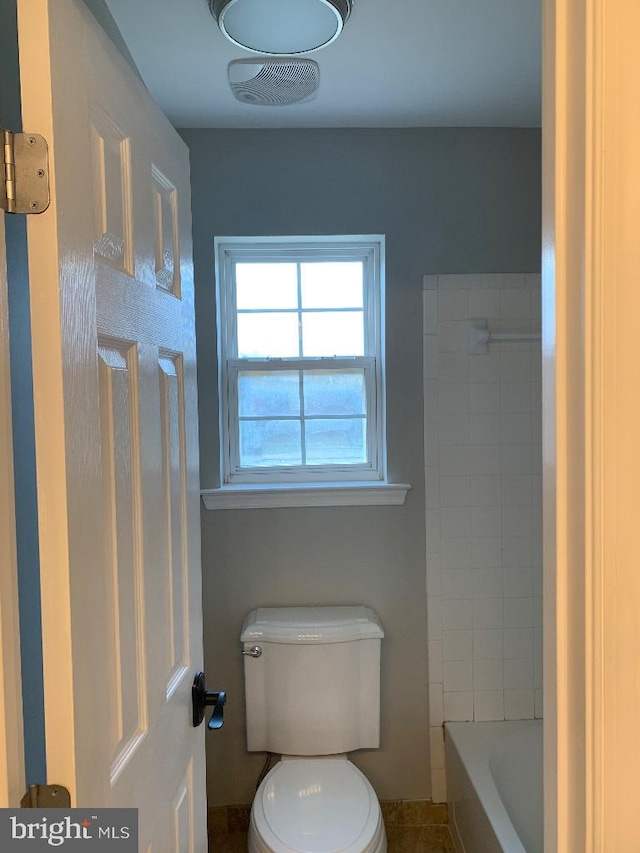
(316, 805)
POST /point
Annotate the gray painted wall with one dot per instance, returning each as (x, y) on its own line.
(449, 201)
(23, 429)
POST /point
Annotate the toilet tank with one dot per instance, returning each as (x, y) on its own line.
(315, 689)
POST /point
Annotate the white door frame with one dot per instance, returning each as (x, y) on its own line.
(11, 737)
(591, 379)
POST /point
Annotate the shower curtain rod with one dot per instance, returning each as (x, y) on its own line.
(480, 337)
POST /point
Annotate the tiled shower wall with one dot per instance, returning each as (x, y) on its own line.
(484, 504)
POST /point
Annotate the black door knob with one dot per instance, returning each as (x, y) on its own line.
(201, 698)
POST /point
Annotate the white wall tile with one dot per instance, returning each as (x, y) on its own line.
(457, 583)
(516, 489)
(488, 645)
(518, 674)
(515, 304)
(457, 646)
(432, 487)
(515, 428)
(464, 281)
(517, 551)
(439, 785)
(484, 304)
(434, 576)
(454, 429)
(533, 279)
(518, 612)
(538, 664)
(431, 399)
(488, 705)
(517, 583)
(538, 703)
(454, 398)
(454, 491)
(507, 279)
(453, 367)
(519, 704)
(537, 612)
(487, 583)
(518, 643)
(436, 711)
(436, 747)
(454, 336)
(457, 614)
(430, 309)
(516, 458)
(486, 552)
(485, 368)
(454, 459)
(486, 521)
(484, 398)
(537, 581)
(516, 366)
(432, 525)
(487, 614)
(434, 618)
(453, 305)
(456, 553)
(485, 428)
(485, 459)
(483, 480)
(456, 523)
(517, 520)
(435, 661)
(430, 356)
(516, 397)
(485, 491)
(458, 676)
(488, 674)
(458, 706)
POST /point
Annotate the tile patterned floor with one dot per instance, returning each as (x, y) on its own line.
(412, 827)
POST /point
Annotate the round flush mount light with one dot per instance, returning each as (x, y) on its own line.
(281, 27)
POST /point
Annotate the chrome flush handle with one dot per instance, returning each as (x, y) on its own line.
(253, 652)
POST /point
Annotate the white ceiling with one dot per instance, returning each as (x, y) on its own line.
(398, 63)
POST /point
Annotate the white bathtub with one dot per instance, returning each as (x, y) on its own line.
(494, 786)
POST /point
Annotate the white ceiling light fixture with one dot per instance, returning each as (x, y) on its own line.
(281, 27)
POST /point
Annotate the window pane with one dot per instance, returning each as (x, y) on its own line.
(267, 443)
(336, 442)
(333, 333)
(331, 284)
(334, 392)
(269, 394)
(264, 335)
(266, 286)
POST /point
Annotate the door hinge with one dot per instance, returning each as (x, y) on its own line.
(46, 797)
(24, 172)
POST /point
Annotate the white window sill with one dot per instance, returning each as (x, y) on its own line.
(311, 494)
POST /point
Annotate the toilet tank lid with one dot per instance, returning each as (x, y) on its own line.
(311, 625)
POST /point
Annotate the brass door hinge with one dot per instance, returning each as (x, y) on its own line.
(24, 172)
(46, 797)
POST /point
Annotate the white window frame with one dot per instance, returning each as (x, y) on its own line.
(366, 248)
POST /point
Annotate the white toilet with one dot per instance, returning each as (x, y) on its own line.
(312, 680)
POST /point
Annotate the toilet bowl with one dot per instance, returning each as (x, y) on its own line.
(316, 805)
(312, 685)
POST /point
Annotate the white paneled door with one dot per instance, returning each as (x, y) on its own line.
(116, 432)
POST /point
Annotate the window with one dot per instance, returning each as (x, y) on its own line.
(301, 359)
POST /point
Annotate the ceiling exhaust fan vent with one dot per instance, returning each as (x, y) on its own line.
(274, 82)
